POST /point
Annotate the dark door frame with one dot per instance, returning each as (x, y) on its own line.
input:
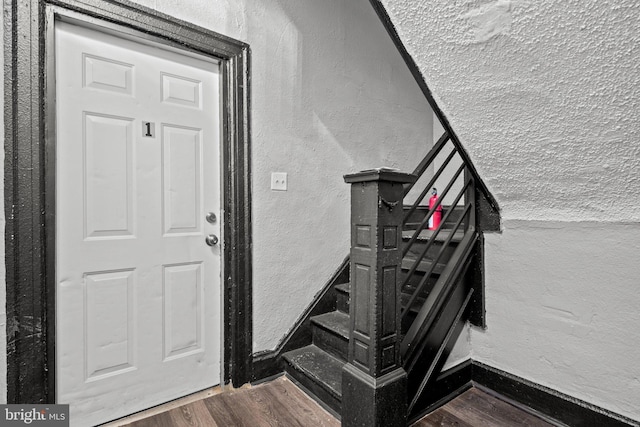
(29, 114)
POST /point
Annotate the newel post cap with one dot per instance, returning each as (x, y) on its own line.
(380, 174)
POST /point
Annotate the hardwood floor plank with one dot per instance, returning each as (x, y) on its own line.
(158, 420)
(478, 408)
(195, 414)
(283, 402)
(480, 405)
(236, 409)
(441, 417)
(315, 414)
(280, 403)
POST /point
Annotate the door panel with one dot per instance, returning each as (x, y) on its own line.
(138, 290)
(110, 333)
(182, 310)
(108, 175)
(181, 178)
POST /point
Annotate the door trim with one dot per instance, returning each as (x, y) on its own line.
(29, 114)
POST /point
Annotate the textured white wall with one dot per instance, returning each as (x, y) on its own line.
(545, 98)
(330, 95)
(562, 309)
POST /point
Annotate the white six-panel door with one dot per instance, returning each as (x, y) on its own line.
(137, 171)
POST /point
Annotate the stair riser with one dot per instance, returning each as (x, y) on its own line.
(415, 281)
(417, 248)
(406, 323)
(418, 215)
(342, 302)
(315, 389)
(330, 342)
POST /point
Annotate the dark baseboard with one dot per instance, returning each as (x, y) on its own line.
(268, 363)
(265, 366)
(553, 404)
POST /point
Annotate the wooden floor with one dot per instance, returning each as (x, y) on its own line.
(476, 408)
(276, 403)
(281, 403)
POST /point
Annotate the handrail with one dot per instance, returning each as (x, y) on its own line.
(427, 324)
(429, 158)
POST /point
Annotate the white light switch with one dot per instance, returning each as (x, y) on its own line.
(279, 181)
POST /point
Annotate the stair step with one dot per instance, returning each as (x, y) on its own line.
(317, 371)
(417, 304)
(342, 297)
(418, 215)
(331, 333)
(423, 267)
(425, 235)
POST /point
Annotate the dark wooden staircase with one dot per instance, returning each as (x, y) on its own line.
(375, 357)
(318, 367)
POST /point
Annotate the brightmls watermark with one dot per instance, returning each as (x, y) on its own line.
(34, 415)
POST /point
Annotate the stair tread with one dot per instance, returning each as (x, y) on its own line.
(424, 266)
(415, 307)
(343, 287)
(441, 237)
(323, 368)
(335, 321)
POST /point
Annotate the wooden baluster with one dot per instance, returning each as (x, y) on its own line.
(374, 384)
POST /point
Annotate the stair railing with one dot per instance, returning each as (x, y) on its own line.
(387, 370)
(457, 237)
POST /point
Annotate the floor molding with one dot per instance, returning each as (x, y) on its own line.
(553, 404)
(546, 403)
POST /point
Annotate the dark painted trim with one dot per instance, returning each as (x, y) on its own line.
(419, 78)
(536, 399)
(268, 363)
(30, 181)
(552, 403)
(487, 215)
(475, 274)
(28, 358)
(449, 384)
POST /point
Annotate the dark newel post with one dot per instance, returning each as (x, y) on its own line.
(374, 384)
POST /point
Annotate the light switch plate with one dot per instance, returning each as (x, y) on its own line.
(279, 181)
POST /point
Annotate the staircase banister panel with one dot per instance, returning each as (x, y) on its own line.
(436, 297)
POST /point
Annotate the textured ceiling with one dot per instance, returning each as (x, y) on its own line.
(545, 97)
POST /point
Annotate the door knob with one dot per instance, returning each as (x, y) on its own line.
(211, 218)
(211, 240)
